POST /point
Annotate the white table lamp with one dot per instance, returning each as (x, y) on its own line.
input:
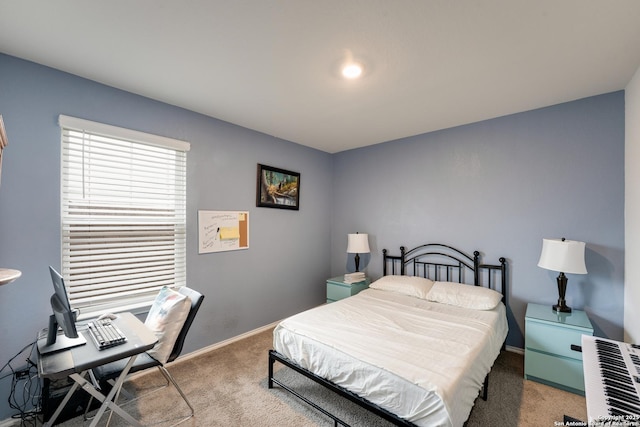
(358, 243)
(565, 256)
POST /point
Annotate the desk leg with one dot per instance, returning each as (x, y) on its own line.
(107, 402)
(62, 404)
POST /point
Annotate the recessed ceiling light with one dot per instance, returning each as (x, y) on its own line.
(352, 71)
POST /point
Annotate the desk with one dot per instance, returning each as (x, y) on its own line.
(77, 361)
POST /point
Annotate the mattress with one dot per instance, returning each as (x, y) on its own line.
(423, 361)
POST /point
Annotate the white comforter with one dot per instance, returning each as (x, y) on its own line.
(423, 361)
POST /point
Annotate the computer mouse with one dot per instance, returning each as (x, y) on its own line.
(110, 316)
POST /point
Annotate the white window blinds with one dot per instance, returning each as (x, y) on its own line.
(123, 215)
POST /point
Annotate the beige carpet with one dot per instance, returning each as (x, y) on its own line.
(227, 387)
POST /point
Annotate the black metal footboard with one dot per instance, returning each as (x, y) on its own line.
(381, 412)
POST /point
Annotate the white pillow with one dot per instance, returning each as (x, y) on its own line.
(165, 319)
(466, 296)
(408, 285)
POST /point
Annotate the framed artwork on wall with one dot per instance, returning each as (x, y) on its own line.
(277, 188)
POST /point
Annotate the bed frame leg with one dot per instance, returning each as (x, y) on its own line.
(485, 388)
(271, 362)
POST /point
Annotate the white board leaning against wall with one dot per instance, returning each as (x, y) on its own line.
(222, 231)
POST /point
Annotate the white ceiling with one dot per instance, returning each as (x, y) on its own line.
(271, 65)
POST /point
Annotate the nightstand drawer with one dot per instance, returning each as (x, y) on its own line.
(337, 289)
(554, 339)
(337, 292)
(556, 370)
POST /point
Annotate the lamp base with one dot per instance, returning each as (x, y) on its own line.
(561, 307)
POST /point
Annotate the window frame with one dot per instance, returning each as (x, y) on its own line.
(133, 238)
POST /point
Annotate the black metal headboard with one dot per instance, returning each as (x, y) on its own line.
(440, 262)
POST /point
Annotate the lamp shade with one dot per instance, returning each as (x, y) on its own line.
(358, 243)
(565, 256)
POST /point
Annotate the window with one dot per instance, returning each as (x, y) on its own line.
(123, 203)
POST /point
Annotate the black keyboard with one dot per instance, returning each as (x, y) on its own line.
(105, 334)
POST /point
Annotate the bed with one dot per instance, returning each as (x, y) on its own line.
(415, 348)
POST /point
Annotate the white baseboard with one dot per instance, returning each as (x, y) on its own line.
(211, 347)
(225, 342)
(509, 348)
(514, 349)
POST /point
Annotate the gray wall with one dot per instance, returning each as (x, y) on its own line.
(282, 272)
(501, 186)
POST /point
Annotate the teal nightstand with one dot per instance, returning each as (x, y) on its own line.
(337, 289)
(553, 347)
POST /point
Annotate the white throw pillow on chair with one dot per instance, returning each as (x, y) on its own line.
(166, 318)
